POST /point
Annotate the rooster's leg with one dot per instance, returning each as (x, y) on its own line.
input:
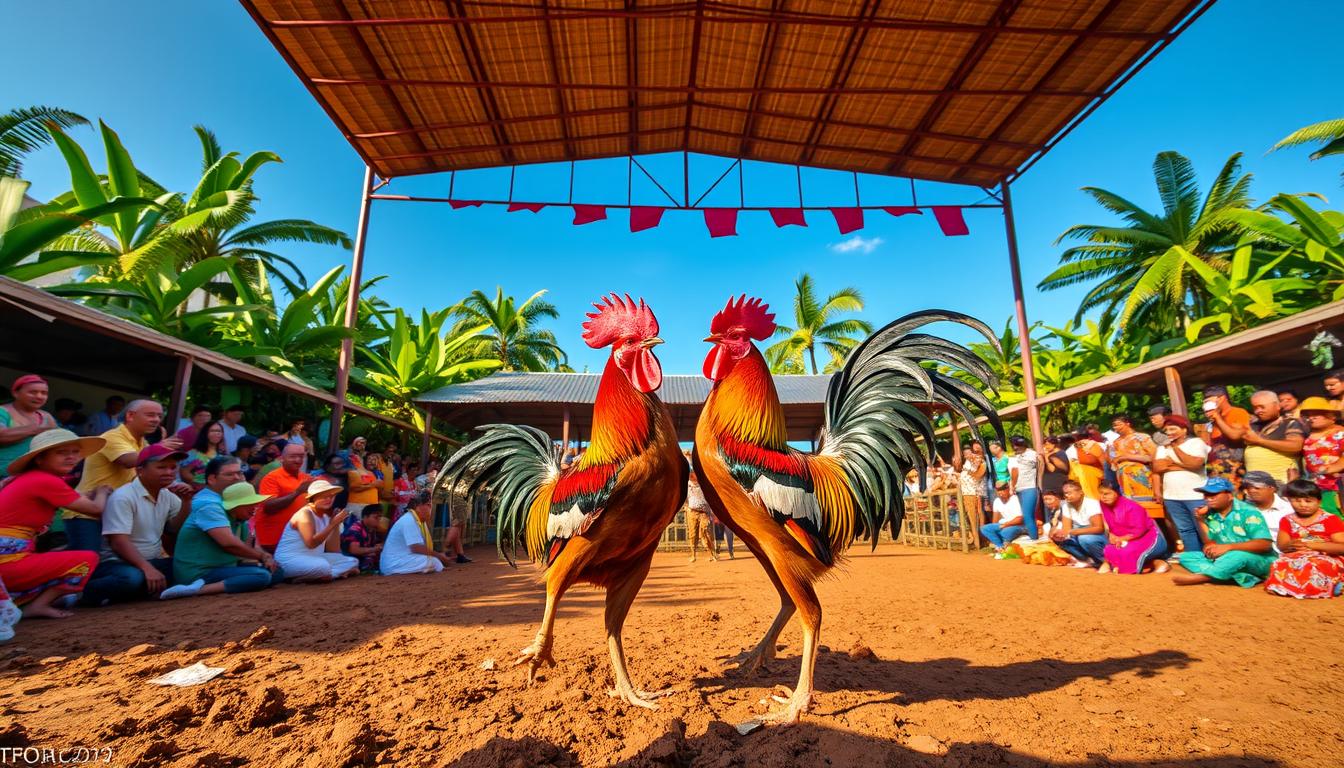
(809, 610)
(539, 652)
(619, 597)
(764, 652)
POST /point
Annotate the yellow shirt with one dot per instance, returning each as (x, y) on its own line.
(101, 468)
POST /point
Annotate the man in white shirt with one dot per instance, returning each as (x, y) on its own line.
(1007, 523)
(1080, 530)
(408, 549)
(232, 422)
(1263, 492)
(133, 564)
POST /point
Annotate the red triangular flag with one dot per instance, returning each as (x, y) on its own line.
(456, 204)
(644, 217)
(901, 210)
(950, 220)
(587, 214)
(722, 222)
(533, 207)
(848, 219)
(788, 216)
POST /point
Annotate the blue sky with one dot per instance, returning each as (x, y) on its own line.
(1241, 78)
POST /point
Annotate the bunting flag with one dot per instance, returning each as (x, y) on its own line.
(533, 207)
(587, 214)
(848, 219)
(950, 220)
(721, 222)
(902, 210)
(644, 217)
(785, 217)
(460, 204)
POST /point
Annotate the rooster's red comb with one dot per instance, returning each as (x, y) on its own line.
(618, 317)
(752, 315)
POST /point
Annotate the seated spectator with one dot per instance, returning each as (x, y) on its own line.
(1157, 416)
(28, 504)
(9, 615)
(409, 547)
(108, 418)
(200, 416)
(454, 537)
(1239, 549)
(310, 547)
(361, 539)
(1323, 451)
(247, 453)
(1133, 541)
(134, 564)
(1334, 389)
(232, 424)
(209, 444)
(1087, 469)
(1226, 453)
(67, 414)
(1263, 493)
(1273, 441)
(1312, 542)
(285, 490)
(214, 541)
(1181, 462)
(1289, 403)
(336, 470)
(1079, 529)
(23, 418)
(270, 453)
(1007, 523)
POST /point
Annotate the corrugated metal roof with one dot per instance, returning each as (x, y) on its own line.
(581, 389)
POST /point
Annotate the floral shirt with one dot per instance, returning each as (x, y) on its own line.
(1319, 452)
(1241, 524)
(358, 534)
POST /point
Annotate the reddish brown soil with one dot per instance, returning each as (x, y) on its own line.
(973, 663)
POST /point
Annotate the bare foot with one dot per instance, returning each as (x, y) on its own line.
(1105, 568)
(45, 612)
(1160, 566)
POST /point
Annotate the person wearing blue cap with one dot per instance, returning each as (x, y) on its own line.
(1239, 547)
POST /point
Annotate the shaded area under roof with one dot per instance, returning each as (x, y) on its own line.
(969, 92)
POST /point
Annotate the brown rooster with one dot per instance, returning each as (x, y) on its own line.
(598, 521)
(798, 512)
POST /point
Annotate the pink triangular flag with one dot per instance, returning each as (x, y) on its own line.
(950, 220)
(533, 207)
(644, 217)
(848, 219)
(722, 222)
(785, 217)
(456, 204)
(902, 210)
(587, 214)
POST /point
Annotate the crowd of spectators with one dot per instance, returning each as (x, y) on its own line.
(128, 510)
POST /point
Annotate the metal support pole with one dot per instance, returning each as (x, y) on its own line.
(564, 434)
(351, 313)
(1175, 392)
(1023, 328)
(424, 442)
(178, 407)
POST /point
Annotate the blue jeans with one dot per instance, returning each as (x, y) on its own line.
(114, 581)
(244, 578)
(999, 535)
(1029, 498)
(1182, 514)
(83, 533)
(1090, 547)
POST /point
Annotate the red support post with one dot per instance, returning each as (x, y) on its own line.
(351, 312)
(1023, 328)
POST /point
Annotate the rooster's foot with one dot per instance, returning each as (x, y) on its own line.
(638, 698)
(753, 661)
(793, 711)
(534, 656)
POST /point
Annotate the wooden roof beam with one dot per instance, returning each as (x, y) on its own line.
(560, 105)
(466, 38)
(850, 54)
(763, 64)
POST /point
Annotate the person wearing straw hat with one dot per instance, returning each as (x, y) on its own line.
(28, 503)
(214, 538)
(23, 418)
(310, 546)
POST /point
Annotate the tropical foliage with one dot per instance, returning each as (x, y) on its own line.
(512, 335)
(817, 323)
(24, 130)
(1328, 133)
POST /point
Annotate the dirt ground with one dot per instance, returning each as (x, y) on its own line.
(974, 662)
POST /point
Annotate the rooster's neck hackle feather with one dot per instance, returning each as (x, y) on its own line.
(746, 405)
(622, 420)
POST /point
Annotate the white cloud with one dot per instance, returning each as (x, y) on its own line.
(857, 243)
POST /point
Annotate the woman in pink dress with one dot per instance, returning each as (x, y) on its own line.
(1133, 539)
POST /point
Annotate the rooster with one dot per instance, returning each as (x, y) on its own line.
(798, 512)
(598, 521)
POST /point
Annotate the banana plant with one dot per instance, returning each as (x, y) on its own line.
(29, 239)
(1242, 298)
(1316, 238)
(1104, 347)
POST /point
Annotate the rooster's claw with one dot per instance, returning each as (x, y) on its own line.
(534, 655)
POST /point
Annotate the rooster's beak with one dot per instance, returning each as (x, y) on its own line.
(653, 342)
(713, 338)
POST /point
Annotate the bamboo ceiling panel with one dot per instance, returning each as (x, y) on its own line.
(962, 91)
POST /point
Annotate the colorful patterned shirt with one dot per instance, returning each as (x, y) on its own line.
(1319, 452)
(1242, 523)
(358, 534)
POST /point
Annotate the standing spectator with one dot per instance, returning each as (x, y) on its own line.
(310, 547)
(1289, 404)
(28, 503)
(385, 476)
(285, 490)
(698, 526)
(409, 547)
(403, 490)
(336, 470)
(23, 418)
(359, 447)
(1157, 416)
(1323, 451)
(214, 539)
(298, 433)
(137, 517)
(108, 418)
(67, 415)
(1133, 541)
(209, 444)
(971, 466)
(1227, 424)
(1262, 491)
(1007, 523)
(1025, 478)
(1312, 542)
(200, 416)
(114, 466)
(1080, 530)
(1273, 441)
(361, 484)
(246, 452)
(1055, 465)
(1133, 453)
(1334, 389)
(1181, 462)
(271, 454)
(1239, 548)
(1000, 461)
(1087, 470)
(233, 428)
(361, 540)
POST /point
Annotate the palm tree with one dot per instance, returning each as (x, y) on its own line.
(1328, 132)
(1140, 269)
(512, 336)
(23, 130)
(816, 323)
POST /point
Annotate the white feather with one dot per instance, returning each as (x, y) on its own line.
(786, 500)
(565, 524)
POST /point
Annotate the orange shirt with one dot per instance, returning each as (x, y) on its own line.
(278, 483)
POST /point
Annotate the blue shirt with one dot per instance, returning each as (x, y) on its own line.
(196, 552)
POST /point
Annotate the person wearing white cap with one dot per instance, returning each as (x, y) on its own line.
(408, 548)
(310, 545)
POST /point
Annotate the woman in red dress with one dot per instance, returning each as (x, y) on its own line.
(28, 502)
